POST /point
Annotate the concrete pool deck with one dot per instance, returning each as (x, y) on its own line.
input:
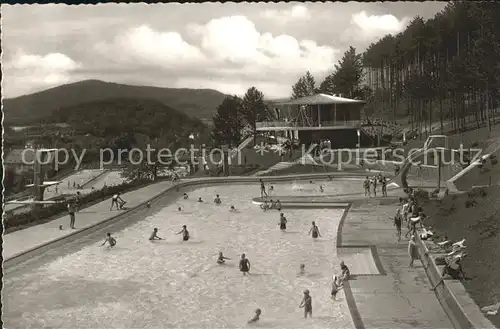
(399, 297)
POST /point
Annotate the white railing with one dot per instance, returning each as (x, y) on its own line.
(273, 124)
(345, 123)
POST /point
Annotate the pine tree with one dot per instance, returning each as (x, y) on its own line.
(305, 86)
(227, 122)
(254, 109)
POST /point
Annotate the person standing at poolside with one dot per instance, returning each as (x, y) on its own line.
(71, 211)
(398, 219)
(262, 189)
(412, 250)
(366, 186)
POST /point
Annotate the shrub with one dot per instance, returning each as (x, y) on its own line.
(44, 214)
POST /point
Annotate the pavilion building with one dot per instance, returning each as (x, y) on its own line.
(313, 118)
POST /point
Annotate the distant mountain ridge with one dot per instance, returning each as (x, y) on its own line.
(197, 103)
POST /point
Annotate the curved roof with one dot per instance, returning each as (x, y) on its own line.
(319, 99)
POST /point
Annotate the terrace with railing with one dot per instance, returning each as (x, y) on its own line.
(279, 125)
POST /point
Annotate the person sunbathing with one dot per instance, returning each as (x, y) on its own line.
(453, 268)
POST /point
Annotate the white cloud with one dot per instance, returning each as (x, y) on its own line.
(224, 49)
(31, 71)
(236, 39)
(297, 12)
(375, 26)
(51, 62)
(143, 44)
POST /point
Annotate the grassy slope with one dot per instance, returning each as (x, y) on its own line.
(480, 226)
(200, 103)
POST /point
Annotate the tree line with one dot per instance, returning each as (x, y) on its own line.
(445, 69)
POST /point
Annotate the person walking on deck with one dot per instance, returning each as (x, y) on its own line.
(71, 211)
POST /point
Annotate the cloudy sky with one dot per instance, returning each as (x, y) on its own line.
(228, 47)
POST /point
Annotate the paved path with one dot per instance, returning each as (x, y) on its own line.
(80, 177)
(22, 240)
(110, 178)
(399, 299)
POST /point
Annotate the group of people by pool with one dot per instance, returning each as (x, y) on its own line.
(244, 262)
(370, 185)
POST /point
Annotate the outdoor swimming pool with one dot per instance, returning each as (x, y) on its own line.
(171, 284)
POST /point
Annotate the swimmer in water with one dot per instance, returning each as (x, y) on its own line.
(179, 208)
(154, 235)
(110, 240)
(321, 189)
(307, 304)
(311, 182)
(315, 231)
(302, 270)
(221, 259)
(185, 233)
(283, 222)
(217, 200)
(256, 317)
(244, 265)
(185, 195)
(232, 209)
(199, 199)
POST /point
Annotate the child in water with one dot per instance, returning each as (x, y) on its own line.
(185, 233)
(185, 195)
(256, 317)
(217, 200)
(199, 199)
(222, 259)
(110, 240)
(244, 264)
(179, 208)
(315, 231)
(283, 222)
(232, 209)
(302, 270)
(306, 304)
(154, 235)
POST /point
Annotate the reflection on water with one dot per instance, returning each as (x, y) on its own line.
(174, 284)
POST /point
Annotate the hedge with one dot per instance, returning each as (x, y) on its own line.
(45, 214)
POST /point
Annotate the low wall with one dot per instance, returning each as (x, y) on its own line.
(80, 234)
(460, 308)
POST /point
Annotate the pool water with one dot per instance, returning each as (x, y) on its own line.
(175, 284)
